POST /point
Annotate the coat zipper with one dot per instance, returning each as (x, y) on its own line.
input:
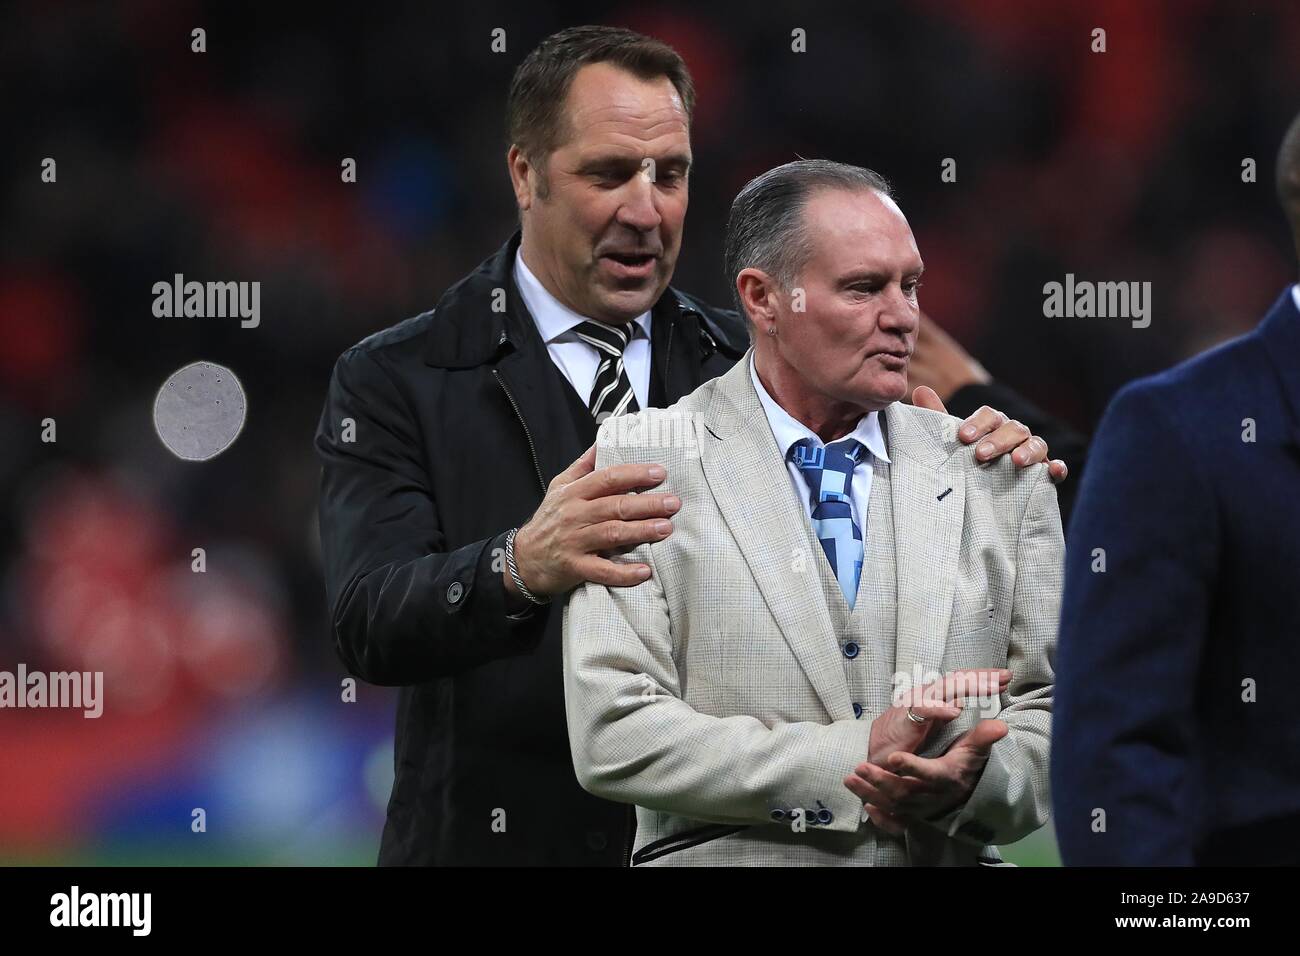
(532, 449)
(672, 326)
(629, 828)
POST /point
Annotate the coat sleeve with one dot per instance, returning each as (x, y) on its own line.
(635, 740)
(1140, 569)
(1063, 442)
(403, 608)
(1012, 797)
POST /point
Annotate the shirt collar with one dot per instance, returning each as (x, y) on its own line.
(554, 319)
(787, 430)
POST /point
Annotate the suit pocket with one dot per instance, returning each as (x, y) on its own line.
(685, 840)
(975, 640)
(967, 619)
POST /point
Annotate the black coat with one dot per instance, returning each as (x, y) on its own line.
(438, 435)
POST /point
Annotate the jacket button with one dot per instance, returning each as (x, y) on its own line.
(824, 817)
(596, 840)
(455, 592)
(857, 710)
(777, 814)
(850, 650)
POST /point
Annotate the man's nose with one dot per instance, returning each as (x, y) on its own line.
(899, 313)
(638, 209)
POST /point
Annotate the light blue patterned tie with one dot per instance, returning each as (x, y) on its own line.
(828, 469)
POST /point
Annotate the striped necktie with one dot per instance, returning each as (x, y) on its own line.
(612, 394)
(828, 469)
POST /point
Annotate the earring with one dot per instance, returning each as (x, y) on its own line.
(771, 330)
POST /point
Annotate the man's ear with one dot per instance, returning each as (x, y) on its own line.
(756, 290)
(520, 167)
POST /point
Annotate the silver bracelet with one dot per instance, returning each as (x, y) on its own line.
(514, 570)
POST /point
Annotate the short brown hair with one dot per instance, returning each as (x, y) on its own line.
(541, 82)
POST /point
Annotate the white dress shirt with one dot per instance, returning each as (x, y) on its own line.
(577, 360)
(786, 430)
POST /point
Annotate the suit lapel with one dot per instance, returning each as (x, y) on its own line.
(752, 488)
(928, 494)
(471, 331)
(1280, 332)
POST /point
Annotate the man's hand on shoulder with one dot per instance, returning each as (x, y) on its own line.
(1001, 435)
(586, 512)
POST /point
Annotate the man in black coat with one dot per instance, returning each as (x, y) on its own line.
(454, 516)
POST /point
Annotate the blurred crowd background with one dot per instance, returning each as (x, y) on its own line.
(223, 689)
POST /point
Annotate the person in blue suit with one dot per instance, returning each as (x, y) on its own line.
(1176, 739)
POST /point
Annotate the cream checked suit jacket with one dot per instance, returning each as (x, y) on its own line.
(717, 697)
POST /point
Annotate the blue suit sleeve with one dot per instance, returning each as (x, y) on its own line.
(1131, 640)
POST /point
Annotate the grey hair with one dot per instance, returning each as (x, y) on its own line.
(765, 228)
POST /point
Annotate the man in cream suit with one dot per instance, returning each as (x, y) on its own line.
(836, 552)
